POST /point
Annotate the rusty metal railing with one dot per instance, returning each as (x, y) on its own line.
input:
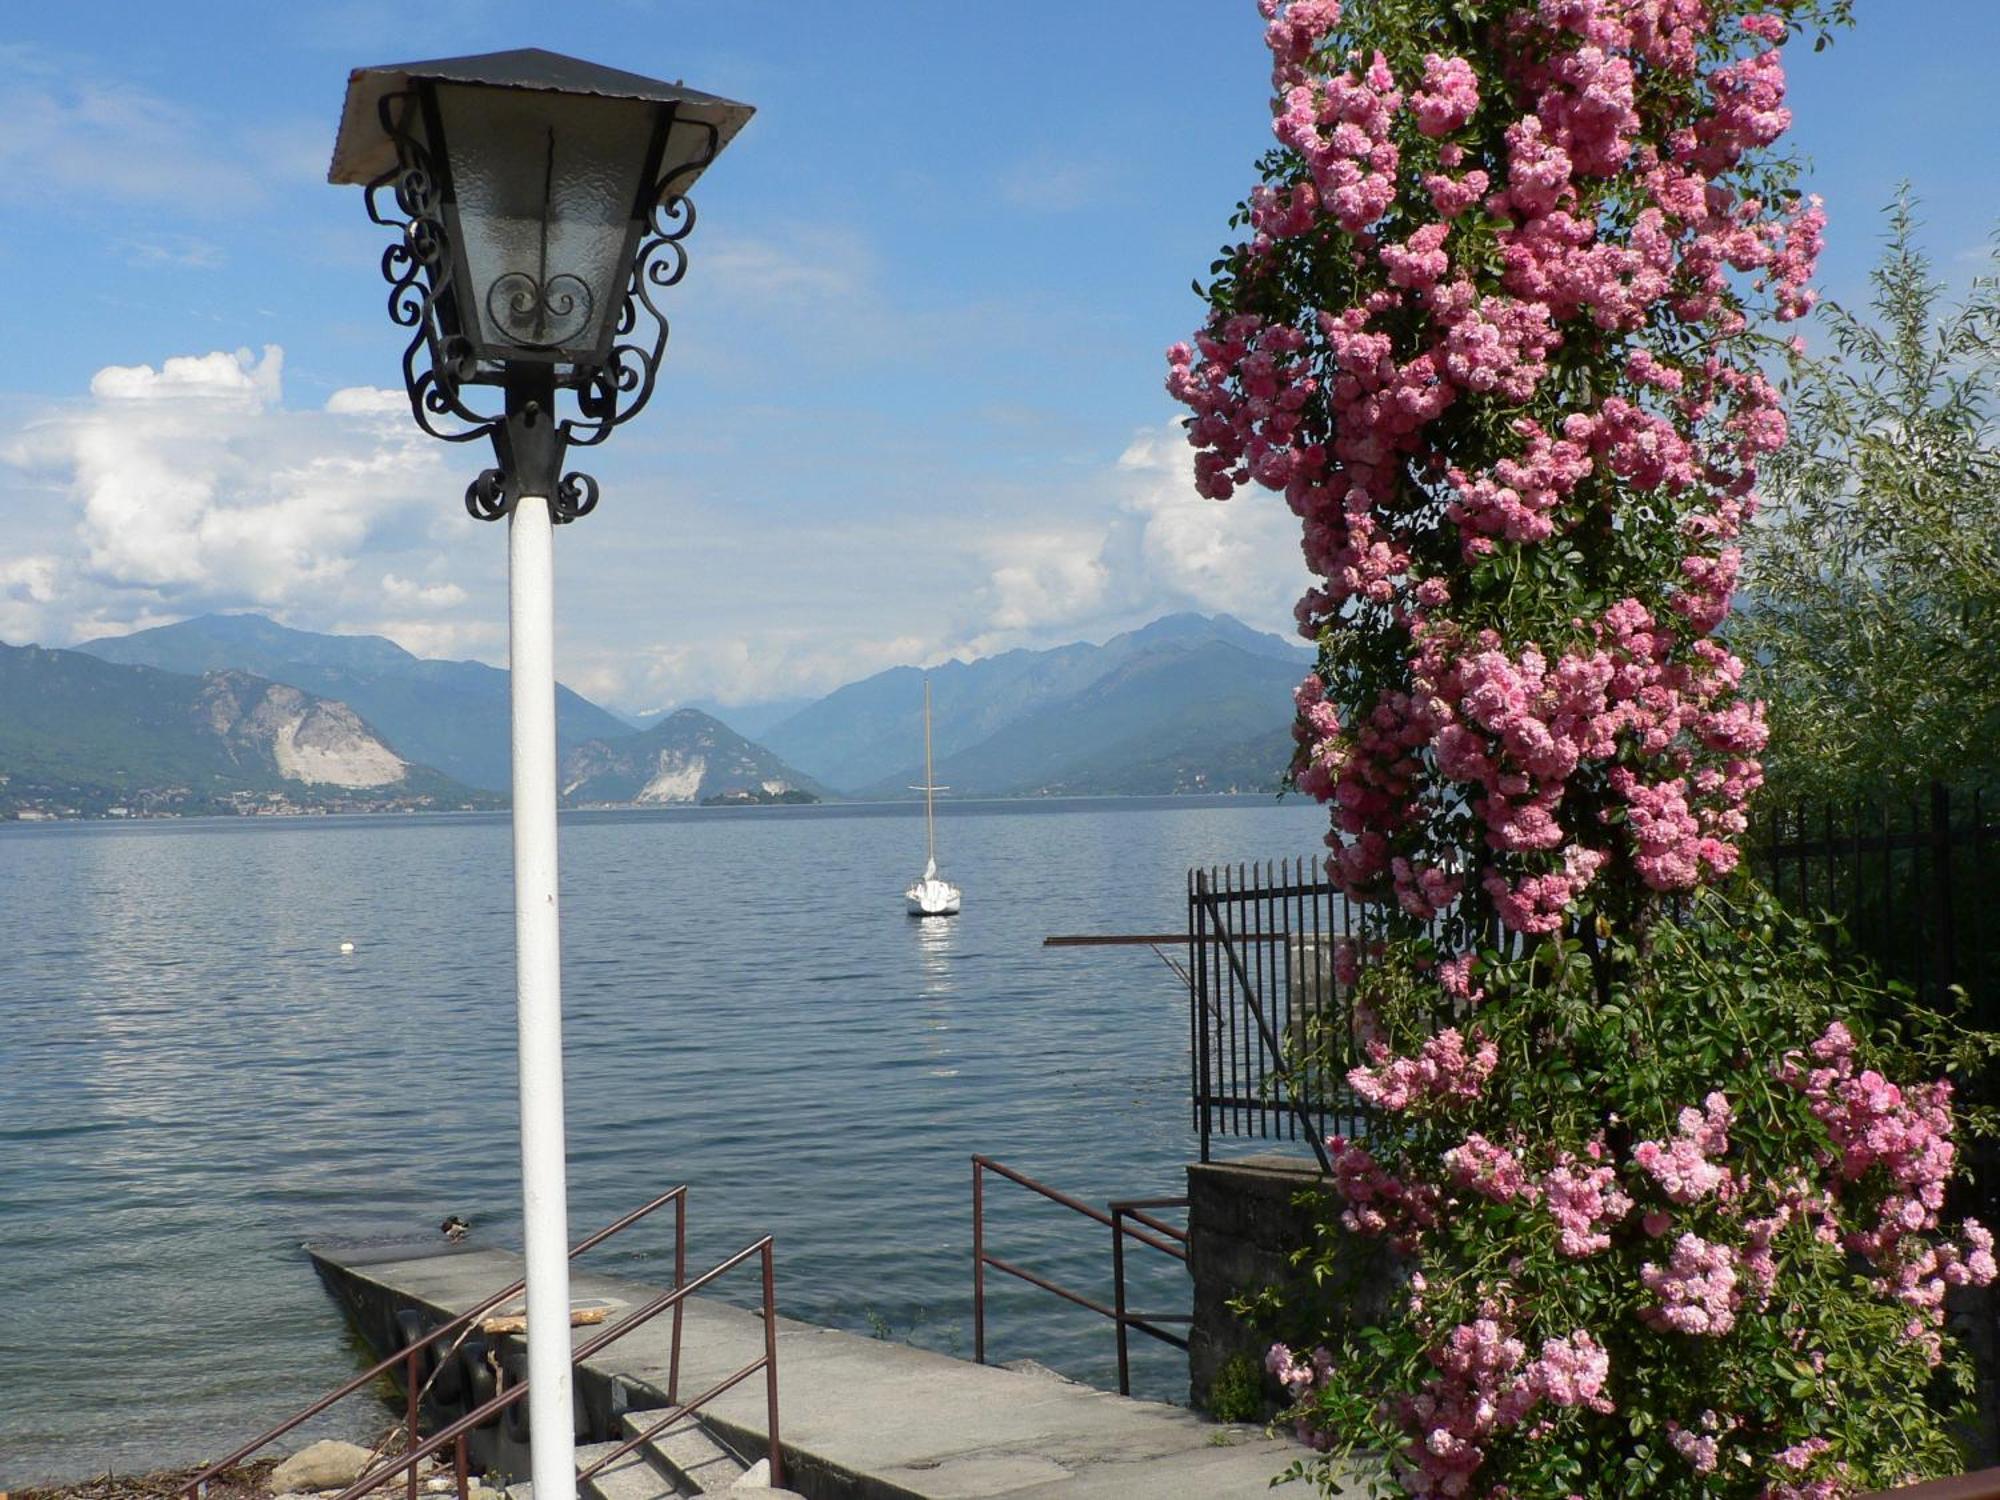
(410, 1357)
(455, 1433)
(1984, 1485)
(1134, 1209)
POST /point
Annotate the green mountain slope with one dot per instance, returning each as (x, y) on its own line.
(687, 757)
(82, 736)
(449, 714)
(1182, 716)
(870, 733)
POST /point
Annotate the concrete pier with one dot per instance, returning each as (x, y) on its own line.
(859, 1418)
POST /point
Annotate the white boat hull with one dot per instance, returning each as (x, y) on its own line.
(932, 897)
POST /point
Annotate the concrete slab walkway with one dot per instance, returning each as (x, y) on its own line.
(862, 1418)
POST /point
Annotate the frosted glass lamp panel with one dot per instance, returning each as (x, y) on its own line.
(545, 186)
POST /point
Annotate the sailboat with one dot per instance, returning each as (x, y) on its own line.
(930, 896)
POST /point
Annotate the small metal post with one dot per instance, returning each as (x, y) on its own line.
(1118, 1298)
(770, 1362)
(680, 1281)
(1941, 892)
(1198, 940)
(461, 1468)
(411, 1403)
(978, 1266)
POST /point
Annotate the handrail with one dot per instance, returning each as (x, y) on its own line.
(768, 1362)
(1056, 1195)
(1983, 1485)
(1135, 1208)
(409, 1355)
(1115, 1221)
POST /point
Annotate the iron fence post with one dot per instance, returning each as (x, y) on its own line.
(1118, 1298)
(680, 1281)
(1941, 887)
(412, 1402)
(771, 1363)
(978, 1266)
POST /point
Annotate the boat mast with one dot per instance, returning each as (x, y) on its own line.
(930, 828)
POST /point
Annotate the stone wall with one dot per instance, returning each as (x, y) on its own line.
(1244, 1224)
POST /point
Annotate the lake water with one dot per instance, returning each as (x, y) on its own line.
(194, 1080)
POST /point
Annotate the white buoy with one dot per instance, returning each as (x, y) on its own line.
(347, 947)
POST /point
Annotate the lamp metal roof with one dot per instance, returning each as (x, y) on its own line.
(363, 151)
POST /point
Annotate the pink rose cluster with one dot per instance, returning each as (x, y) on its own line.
(1585, 1201)
(1887, 1158)
(1700, 1445)
(1300, 1378)
(1631, 740)
(1444, 1070)
(1486, 1385)
(1685, 1167)
(1696, 1288)
(1892, 1155)
(1512, 731)
(1378, 1202)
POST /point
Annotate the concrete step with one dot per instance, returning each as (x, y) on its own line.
(756, 1484)
(633, 1477)
(908, 1421)
(685, 1450)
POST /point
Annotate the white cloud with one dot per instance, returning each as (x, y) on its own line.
(781, 662)
(450, 640)
(236, 379)
(67, 132)
(1139, 543)
(1240, 556)
(189, 486)
(367, 401)
(27, 588)
(1045, 580)
(411, 594)
(749, 607)
(184, 252)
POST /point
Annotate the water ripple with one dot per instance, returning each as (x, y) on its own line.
(198, 1080)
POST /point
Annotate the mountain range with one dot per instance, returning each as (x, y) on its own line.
(1188, 703)
(84, 736)
(687, 756)
(452, 715)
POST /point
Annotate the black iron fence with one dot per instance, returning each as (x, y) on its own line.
(1264, 946)
(1913, 884)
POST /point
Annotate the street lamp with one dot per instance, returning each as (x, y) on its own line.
(539, 205)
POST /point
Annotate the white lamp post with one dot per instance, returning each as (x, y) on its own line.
(540, 205)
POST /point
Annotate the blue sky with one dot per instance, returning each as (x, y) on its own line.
(912, 407)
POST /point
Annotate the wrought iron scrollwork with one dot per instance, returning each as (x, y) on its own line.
(536, 314)
(491, 497)
(486, 497)
(418, 267)
(575, 497)
(539, 314)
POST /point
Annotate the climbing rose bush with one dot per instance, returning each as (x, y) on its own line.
(1664, 1225)
(1500, 331)
(1490, 338)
